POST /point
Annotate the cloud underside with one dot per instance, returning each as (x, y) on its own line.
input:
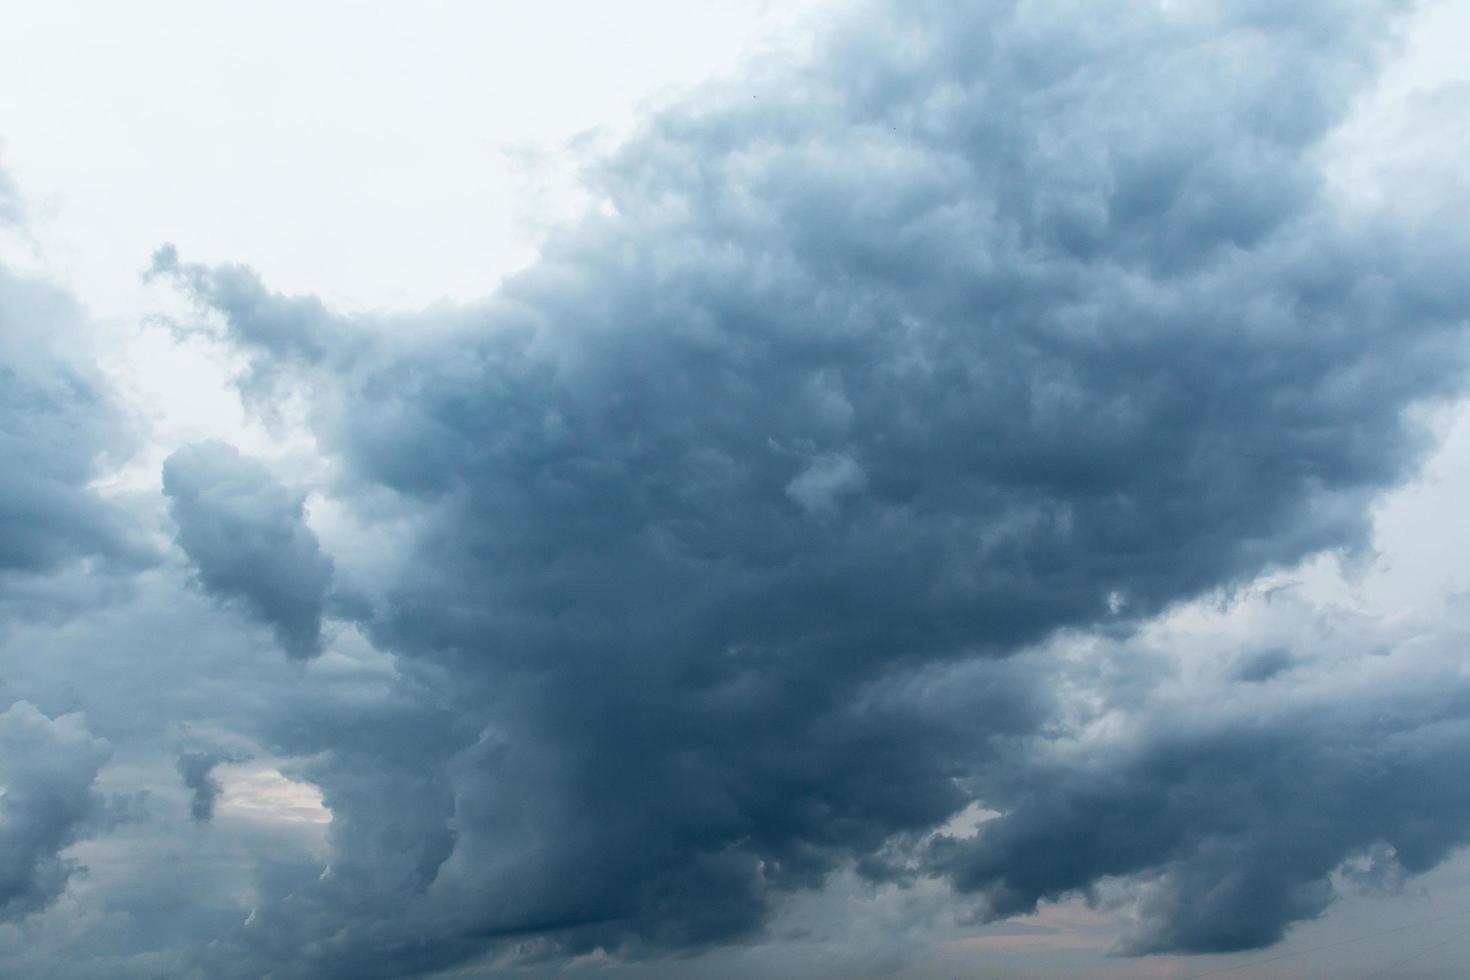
(718, 538)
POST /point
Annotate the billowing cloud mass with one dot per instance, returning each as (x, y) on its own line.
(247, 535)
(48, 770)
(983, 325)
(1237, 823)
(837, 476)
(58, 423)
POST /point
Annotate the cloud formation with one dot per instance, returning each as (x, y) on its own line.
(247, 536)
(719, 523)
(1232, 823)
(196, 768)
(58, 424)
(48, 771)
(841, 479)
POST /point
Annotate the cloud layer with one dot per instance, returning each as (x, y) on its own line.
(843, 472)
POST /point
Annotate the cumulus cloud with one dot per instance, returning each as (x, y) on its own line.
(48, 798)
(1234, 828)
(1215, 809)
(59, 425)
(726, 521)
(247, 535)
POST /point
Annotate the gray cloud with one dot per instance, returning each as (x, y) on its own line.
(59, 426)
(724, 517)
(196, 768)
(1263, 665)
(1235, 828)
(248, 537)
(48, 771)
(63, 546)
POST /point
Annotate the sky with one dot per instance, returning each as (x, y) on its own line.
(735, 489)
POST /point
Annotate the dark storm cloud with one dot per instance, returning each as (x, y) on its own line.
(48, 770)
(991, 321)
(247, 535)
(1234, 825)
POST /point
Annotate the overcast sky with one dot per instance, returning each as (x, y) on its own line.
(735, 489)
